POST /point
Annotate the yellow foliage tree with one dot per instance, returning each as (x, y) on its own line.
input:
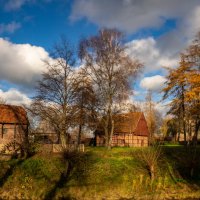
(183, 86)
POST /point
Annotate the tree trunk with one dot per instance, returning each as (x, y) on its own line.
(179, 129)
(111, 134)
(107, 129)
(106, 137)
(183, 115)
(152, 172)
(79, 134)
(64, 140)
(26, 142)
(80, 120)
(197, 125)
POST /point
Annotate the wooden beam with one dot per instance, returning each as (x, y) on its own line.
(13, 123)
(15, 131)
(2, 130)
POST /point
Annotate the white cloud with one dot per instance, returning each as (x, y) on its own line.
(9, 28)
(191, 24)
(21, 64)
(154, 83)
(131, 15)
(148, 52)
(162, 107)
(15, 97)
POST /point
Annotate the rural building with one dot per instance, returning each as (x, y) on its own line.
(46, 133)
(130, 129)
(13, 124)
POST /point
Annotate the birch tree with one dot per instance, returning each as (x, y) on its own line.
(111, 70)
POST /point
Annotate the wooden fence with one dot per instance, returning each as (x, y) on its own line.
(57, 148)
(70, 147)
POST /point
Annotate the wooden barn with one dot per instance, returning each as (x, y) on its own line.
(130, 130)
(13, 124)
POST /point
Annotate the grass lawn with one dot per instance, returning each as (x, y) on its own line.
(102, 174)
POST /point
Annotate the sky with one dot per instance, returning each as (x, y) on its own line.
(156, 32)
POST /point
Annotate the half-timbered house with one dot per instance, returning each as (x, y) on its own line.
(130, 129)
(13, 124)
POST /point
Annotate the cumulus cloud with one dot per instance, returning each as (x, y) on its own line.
(15, 97)
(175, 41)
(154, 83)
(9, 28)
(148, 52)
(131, 15)
(21, 64)
(191, 25)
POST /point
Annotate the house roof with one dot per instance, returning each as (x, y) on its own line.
(13, 114)
(132, 122)
(126, 122)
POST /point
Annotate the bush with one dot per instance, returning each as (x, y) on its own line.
(149, 159)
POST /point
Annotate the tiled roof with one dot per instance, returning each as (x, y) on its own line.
(13, 114)
(127, 122)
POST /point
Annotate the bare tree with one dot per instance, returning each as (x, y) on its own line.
(153, 116)
(150, 114)
(55, 92)
(111, 70)
(85, 103)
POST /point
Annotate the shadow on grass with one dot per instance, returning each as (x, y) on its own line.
(14, 162)
(185, 162)
(60, 184)
(10, 171)
(74, 169)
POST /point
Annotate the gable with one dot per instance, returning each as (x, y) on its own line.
(128, 123)
(142, 128)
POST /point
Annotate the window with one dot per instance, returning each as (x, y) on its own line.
(5, 130)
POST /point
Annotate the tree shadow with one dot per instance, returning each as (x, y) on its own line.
(9, 172)
(185, 162)
(60, 184)
(74, 164)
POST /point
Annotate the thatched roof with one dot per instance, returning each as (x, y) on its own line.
(10, 114)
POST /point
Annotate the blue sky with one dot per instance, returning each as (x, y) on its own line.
(156, 32)
(41, 24)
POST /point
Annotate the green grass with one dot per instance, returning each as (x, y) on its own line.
(102, 174)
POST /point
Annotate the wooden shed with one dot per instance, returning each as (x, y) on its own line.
(13, 124)
(130, 129)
